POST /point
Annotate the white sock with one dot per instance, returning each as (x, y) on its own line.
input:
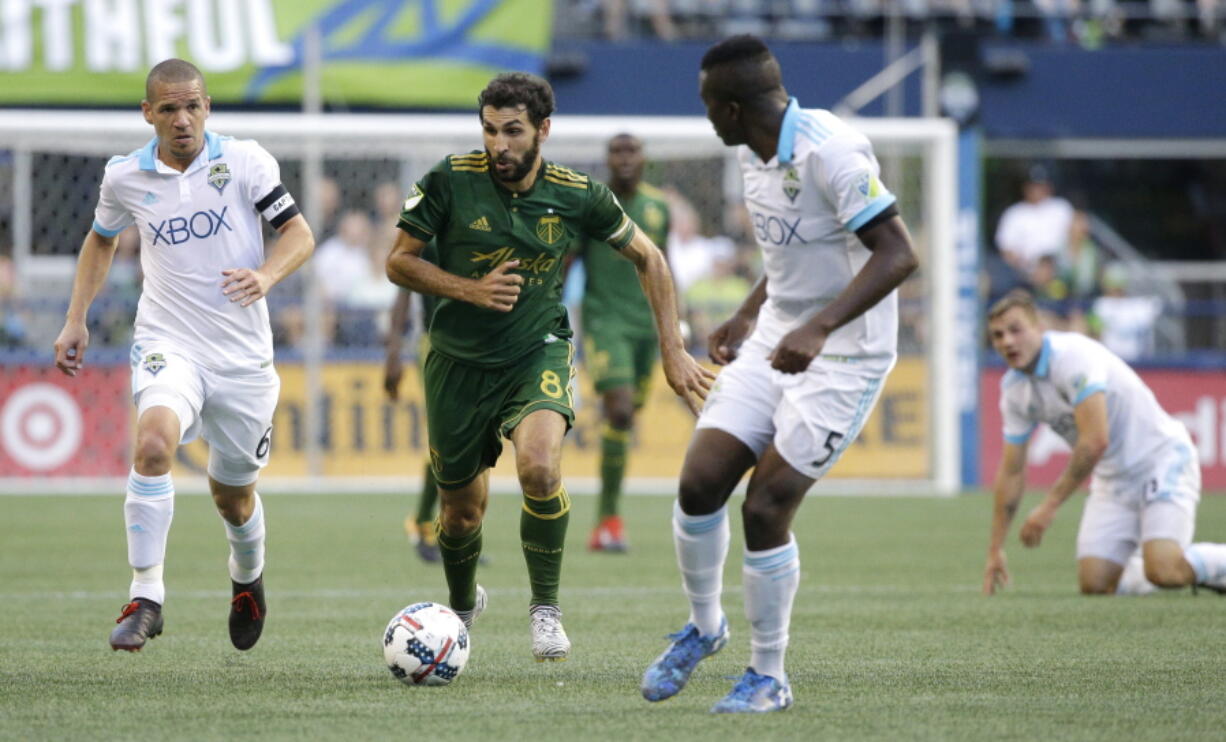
(247, 546)
(702, 547)
(1132, 581)
(771, 578)
(1209, 563)
(148, 508)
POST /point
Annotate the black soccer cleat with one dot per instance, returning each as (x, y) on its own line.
(139, 621)
(247, 613)
(1211, 588)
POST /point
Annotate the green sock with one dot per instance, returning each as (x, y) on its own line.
(613, 444)
(460, 555)
(542, 529)
(429, 496)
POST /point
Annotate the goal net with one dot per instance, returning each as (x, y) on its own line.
(335, 428)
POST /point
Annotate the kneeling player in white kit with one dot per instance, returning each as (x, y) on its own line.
(819, 336)
(202, 351)
(1146, 482)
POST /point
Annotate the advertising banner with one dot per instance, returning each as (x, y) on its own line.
(369, 436)
(55, 426)
(394, 53)
(1195, 398)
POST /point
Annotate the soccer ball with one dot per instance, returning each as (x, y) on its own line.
(426, 644)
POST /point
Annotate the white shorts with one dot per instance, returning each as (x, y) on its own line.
(1157, 501)
(232, 411)
(811, 418)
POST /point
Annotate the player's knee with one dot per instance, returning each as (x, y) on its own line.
(1166, 571)
(459, 519)
(1095, 586)
(620, 416)
(539, 478)
(153, 454)
(699, 492)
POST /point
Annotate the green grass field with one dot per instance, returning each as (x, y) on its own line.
(890, 637)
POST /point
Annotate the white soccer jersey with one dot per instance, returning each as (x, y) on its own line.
(805, 205)
(193, 225)
(1070, 368)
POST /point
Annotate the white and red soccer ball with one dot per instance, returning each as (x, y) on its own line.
(426, 644)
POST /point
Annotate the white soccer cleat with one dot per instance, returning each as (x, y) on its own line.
(471, 615)
(549, 641)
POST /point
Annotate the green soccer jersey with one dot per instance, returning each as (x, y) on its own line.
(612, 297)
(477, 225)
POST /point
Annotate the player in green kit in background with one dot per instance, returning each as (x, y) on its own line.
(419, 526)
(619, 332)
(500, 362)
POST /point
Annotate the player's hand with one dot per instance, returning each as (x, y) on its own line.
(689, 379)
(723, 343)
(245, 285)
(499, 289)
(70, 348)
(797, 349)
(996, 573)
(393, 370)
(1037, 522)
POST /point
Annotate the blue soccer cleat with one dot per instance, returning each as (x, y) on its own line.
(755, 694)
(671, 670)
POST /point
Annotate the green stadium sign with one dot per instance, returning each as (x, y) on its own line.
(390, 53)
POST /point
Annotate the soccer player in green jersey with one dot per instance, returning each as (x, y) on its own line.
(500, 362)
(619, 334)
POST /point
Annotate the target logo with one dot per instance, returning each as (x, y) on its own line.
(41, 426)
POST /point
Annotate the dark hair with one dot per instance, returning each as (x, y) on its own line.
(742, 69)
(736, 49)
(171, 71)
(515, 89)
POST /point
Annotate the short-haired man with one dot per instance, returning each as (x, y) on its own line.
(1146, 476)
(202, 352)
(807, 355)
(500, 362)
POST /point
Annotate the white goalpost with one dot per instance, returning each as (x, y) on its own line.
(53, 160)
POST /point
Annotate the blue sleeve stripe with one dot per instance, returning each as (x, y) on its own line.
(107, 232)
(878, 205)
(1088, 392)
(1019, 438)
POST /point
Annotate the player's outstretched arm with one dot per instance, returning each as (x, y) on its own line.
(393, 367)
(292, 248)
(1093, 436)
(686, 376)
(893, 259)
(1007, 491)
(497, 290)
(93, 264)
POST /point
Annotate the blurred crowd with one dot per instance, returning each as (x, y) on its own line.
(1045, 244)
(1088, 22)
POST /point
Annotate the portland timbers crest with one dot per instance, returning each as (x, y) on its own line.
(791, 184)
(154, 362)
(219, 176)
(549, 228)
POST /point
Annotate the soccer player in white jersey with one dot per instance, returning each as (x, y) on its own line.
(202, 352)
(806, 354)
(1146, 476)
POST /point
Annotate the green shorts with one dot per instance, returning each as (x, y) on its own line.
(469, 409)
(615, 358)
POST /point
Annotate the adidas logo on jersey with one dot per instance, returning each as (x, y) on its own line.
(150, 198)
(481, 225)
